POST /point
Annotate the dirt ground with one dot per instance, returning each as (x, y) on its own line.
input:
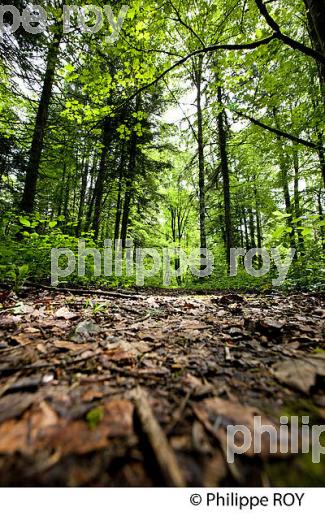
(139, 389)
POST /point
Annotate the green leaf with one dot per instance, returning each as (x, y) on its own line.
(24, 221)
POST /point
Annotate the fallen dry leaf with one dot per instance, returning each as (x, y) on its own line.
(65, 313)
(69, 345)
(123, 350)
(300, 374)
(217, 414)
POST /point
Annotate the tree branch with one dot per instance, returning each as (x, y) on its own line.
(308, 51)
(308, 144)
(227, 47)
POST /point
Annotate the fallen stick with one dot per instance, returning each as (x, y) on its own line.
(164, 455)
(178, 413)
(84, 291)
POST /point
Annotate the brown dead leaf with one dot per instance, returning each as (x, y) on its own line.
(43, 429)
(65, 313)
(22, 436)
(217, 414)
(91, 395)
(123, 350)
(13, 405)
(70, 345)
(78, 437)
(300, 374)
(21, 340)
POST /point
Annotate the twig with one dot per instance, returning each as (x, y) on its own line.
(179, 412)
(164, 455)
(108, 294)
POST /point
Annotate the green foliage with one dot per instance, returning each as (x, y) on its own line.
(94, 417)
(89, 182)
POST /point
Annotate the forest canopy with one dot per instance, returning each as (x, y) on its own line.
(179, 124)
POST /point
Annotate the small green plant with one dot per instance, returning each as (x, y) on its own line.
(19, 275)
(94, 417)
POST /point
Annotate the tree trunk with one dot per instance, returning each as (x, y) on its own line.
(283, 163)
(200, 143)
(321, 214)
(129, 188)
(251, 229)
(258, 217)
(316, 22)
(287, 198)
(297, 202)
(100, 182)
(225, 177)
(118, 214)
(321, 156)
(246, 229)
(83, 190)
(316, 15)
(32, 171)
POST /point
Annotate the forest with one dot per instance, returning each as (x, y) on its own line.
(146, 132)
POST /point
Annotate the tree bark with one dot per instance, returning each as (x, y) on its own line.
(100, 181)
(129, 188)
(225, 176)
(118, 214)
(83, 189)
(321, 214)
(316, 22)
(35, 154)
(321, 156)
(297, 202)
(316, 12)
(200, 142)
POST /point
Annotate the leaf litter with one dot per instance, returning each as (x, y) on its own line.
(140, 391)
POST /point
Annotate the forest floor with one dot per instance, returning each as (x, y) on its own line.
(102, 390)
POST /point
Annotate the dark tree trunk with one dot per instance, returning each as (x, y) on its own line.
(66, 193)
(287, 198)
(246, 229)
(198, 84)
(321, 214)
(100, 181)
(83, 189)
(61, 190)
(225, 176)
(316, 22)
(297, 202)
(316, 12)
(33, 166)
(283, 163)
(251, 228)
(119, 195)
(321, 156)
(129, 188)
(258, 217)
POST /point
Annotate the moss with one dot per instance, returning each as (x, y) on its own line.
(301, 471)
(319, 351)
(94, 417)
(300, 407)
